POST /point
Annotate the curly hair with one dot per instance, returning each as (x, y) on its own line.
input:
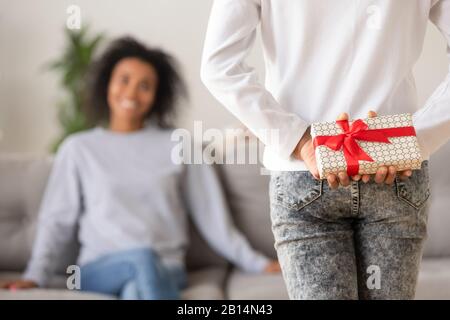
(171, 86)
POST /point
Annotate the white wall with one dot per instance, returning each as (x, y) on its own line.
(31, 33)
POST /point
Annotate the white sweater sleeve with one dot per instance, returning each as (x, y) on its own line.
(229, 38)
(209, 211)
(432, 122)
(58, 216)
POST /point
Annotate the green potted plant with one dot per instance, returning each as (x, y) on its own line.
(72, 68)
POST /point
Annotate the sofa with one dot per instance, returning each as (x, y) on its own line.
(22, 183)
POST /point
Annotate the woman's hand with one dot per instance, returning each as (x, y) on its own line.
(273, 267)
(19, 284)
(305, 151)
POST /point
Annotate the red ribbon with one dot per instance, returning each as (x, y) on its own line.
(359, 130)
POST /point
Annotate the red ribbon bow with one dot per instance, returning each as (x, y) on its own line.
(359, 130)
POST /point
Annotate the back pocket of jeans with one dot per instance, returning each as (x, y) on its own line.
(295, 190)
(415, 190)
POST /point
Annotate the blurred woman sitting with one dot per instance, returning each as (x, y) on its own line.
(116, 188)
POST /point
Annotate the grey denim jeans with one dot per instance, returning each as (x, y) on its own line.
(363, 241)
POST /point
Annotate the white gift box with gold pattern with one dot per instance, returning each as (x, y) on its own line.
(403, 152)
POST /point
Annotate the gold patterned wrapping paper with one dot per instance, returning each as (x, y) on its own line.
(403, 152)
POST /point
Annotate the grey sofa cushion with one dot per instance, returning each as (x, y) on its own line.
(51, 294)
(438, 242)
(199, 254)
(22, 184)
(247, 192)
(55, 291)
(434, 279)
(244, 286)
(204, 284)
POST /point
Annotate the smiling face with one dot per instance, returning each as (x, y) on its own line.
(131, 91)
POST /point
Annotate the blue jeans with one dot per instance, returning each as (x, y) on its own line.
(363, 241)
(136, 274)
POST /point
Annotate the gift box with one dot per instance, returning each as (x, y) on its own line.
(361, 146)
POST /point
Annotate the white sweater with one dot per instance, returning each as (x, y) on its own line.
(323, 57)
(121, 191)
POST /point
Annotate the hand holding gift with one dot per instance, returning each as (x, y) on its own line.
(337, 150)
